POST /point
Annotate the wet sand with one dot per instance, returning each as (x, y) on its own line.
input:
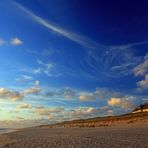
(122, 136)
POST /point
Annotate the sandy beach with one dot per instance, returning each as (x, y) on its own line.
(122, 136)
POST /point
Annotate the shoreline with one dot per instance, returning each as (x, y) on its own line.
(4, 131)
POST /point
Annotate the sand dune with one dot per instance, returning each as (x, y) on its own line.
(103, 121)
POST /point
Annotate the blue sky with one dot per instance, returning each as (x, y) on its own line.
(64, 60)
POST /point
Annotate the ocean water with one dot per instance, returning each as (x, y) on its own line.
(6, 130)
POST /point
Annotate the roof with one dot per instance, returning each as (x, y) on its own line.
(141, 107)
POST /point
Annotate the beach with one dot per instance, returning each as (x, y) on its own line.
(121, 136)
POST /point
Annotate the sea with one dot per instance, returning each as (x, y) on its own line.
(6, 130)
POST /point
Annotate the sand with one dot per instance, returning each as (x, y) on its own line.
(122, 136)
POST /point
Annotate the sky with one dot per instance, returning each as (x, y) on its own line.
(71, 59)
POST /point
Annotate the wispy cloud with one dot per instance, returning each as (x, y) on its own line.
(37, 83)
(40, 110)
(24, 78)
(112, 61)
(33, 90)
(86, 97)
(115, 60)
(130, 45)
(13, 41)
(24, 106)
(99, 94)
(143, 84)
(69, 93)
(82, 40)
(142, 68)
(37, 71)
(49, 69)
(2, 42)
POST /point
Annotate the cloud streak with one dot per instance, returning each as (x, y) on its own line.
(79, 39)
(142, 68)
(24, 78)
(143, 84)
(33, 90)
(2, 42)
(113, 63)
(24, 106)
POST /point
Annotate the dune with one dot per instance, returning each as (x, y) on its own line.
(103, 121)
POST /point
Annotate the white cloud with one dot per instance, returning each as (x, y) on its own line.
(33, 90)
(10, 95)
(120, 102)
(16, 41)
(24, 79)
(40, 110)
(48, 68)
(142, 68)
(105, 93)
(69, 93)
(37, 71)
(81, 112)
(86, 97)
(46, 65)
(2, 42)
(143, 84)
(85, 112)
(99, 93)
(110, 112)
(24, 106)
(37, 82)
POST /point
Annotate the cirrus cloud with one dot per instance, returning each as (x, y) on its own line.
(143, 84)
(2, 42)
(24, 78)
(142, 68)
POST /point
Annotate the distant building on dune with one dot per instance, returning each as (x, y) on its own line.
(141, 108)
